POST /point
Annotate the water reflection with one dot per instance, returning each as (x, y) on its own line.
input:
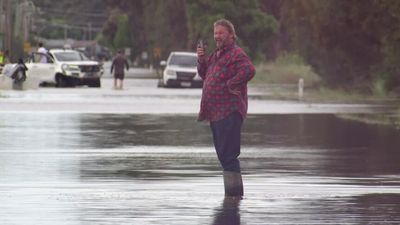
(150, 163)
(228, 213)
(324, 144)
(162, 169)
(376, 208)
(108, 131)
(39, 131)
(101, 131)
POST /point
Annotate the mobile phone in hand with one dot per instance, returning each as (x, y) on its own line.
(200, 44)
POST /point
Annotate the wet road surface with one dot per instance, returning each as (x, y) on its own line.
(58, 167)
(141, 96)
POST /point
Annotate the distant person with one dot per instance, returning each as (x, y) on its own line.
(4, 58)
(119, 62)
(43, 53)
(225, 72)
(19, 76)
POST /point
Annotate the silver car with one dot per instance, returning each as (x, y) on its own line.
(181, 70)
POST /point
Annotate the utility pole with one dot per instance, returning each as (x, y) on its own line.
(28, 9)
(65, 32)
(7, 28)
(90, 31)
(1, 24)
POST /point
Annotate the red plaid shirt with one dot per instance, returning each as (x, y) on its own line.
(225, 73)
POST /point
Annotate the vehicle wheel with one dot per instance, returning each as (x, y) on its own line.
(95, 83)
(60, 81)
(160, 83)
(167, 84)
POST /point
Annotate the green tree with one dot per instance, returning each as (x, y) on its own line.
(84, 19)
(388, 30)
(254, 27)
(341, 38)
(179, 24)
(166, 26)
(122, 37)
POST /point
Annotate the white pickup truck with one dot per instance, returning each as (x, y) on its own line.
(64, 68)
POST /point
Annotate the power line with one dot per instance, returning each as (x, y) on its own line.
(62, 12)
(80, 23)
(92, 18)
(81, 27)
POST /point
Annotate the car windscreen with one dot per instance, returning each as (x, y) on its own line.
(68, 56)
(183, 60)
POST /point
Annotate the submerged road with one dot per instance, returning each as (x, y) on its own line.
(77, 156)
(142, 96)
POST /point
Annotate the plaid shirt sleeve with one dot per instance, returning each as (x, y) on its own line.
(202, 68)
(244, 72)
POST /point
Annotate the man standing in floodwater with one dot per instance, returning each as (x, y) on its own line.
(118, 64)
(225, 72)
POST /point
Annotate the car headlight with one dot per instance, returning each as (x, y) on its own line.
(170, 72)
(69, 69)
(65, 67)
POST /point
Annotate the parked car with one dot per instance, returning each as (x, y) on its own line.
(181, 70)
(64, 68)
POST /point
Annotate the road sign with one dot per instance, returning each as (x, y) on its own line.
(127, 51)
(157, 52)
(27, 47)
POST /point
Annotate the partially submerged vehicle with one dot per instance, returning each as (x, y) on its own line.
(181, 70)
(63, 68)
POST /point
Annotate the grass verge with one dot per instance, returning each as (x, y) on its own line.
(279, 80)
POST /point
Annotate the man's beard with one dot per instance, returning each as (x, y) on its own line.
(221, 43)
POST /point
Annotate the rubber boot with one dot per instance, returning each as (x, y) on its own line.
(233, 184)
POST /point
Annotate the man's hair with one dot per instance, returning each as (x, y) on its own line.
(40, 44)
(228, 24)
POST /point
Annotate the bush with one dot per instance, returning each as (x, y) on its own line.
(286, 69)
(378, 87)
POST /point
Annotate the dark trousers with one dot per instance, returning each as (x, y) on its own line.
(226, 136)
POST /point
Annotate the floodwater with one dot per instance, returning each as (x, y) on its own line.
(80, 168)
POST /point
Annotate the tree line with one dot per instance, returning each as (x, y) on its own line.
(179, 24)
(349, 43)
